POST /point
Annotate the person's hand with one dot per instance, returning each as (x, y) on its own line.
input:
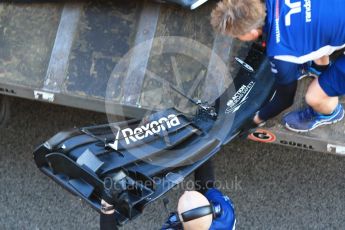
(107, 208)
(257, 119)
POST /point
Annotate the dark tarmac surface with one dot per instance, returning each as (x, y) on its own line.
(273, 187)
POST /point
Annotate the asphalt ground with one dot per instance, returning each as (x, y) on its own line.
(273, 187)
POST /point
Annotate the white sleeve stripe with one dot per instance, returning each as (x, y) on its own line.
(326, 50)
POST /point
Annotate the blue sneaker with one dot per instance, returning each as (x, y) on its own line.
(307, 119)
(308, 71)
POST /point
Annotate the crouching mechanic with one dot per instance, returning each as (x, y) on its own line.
(203, 209)
(196, 211)
(297, 32)
(212, 211)
(206, 208)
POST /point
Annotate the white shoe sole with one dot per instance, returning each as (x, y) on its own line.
(311, 75)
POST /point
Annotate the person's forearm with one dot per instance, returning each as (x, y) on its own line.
(282, 100)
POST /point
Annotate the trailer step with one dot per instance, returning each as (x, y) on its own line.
(328, 138)
(66, 53)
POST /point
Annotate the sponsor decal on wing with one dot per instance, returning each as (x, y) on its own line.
(133, 135)
(239, 98)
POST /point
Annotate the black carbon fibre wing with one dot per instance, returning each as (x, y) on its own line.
(132, 163)
(188, 4)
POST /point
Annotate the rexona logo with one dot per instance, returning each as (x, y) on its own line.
(239, 98)
(149, 129)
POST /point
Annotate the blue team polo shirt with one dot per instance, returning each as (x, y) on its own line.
(303, 30)
(227, 220)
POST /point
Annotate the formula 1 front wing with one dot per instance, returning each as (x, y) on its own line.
(188, 4)
(132, 163)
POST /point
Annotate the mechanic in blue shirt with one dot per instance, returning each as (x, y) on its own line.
(211, 211)
(297, 32)
(196, 211)
(206, 208)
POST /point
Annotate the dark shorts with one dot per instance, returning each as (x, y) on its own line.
(332, 81)
(285, 72)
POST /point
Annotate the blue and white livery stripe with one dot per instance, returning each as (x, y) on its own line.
(299, 31)
(326, 50)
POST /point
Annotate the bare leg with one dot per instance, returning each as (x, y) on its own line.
(319, 100)
(322, 61)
